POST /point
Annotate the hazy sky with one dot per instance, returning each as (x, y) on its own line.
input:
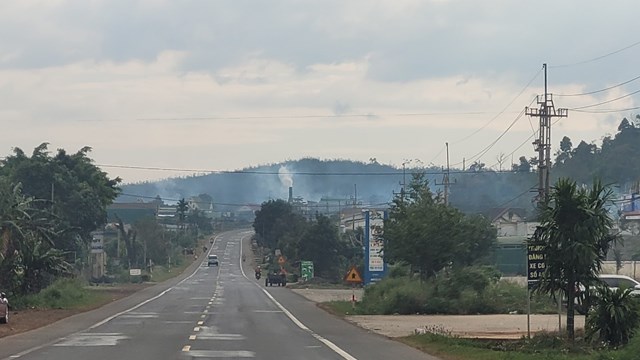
(221, 85)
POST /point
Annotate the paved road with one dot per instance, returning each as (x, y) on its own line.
(210, 313)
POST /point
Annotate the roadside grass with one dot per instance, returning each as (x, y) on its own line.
(164, 273)
(451, 348)
(546, 346)
(318, 283)
(341, 308)
(62, 294)
(450, 296)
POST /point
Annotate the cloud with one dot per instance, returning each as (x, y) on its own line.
(226, 84)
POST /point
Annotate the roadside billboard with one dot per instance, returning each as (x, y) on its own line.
(97, 242)
(306, 270)
(375, 267)
(536, 264)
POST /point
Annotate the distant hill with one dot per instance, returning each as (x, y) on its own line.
(311, 179)
(474, 189)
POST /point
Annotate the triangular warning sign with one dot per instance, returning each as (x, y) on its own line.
(353, 276)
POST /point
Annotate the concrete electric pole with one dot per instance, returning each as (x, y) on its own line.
(545, 112)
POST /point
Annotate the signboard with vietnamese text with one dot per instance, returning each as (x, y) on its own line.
(536, 264)
(97, 243)
(135, 272)
(306, 270)
(375, 267)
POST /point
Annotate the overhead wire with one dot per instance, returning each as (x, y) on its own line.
(482, 152)
(535, 133)
(308, 116)
(319, 204)
(601, 90)
(606, 111)
(597, 57)
(605, 102)
(532, 187)
(256, 172)
(502, 111)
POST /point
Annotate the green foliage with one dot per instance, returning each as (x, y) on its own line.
(199, 221)
(614, 161)
(278, 226)
(472, 290)
(321, 244)
(548, 346)
(614, 318)
(28, 259)
(275, 220)
(76, 190)
(576, 234)
(62, 294)
(154, 240)
(429, 235)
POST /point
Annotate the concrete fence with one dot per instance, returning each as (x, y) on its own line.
(629, 268)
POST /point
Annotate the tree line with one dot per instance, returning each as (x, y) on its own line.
(279, 226)
(49, 205)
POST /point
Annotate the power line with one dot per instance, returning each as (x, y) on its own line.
(307, 116)
(300, 173)
(598, 57)
(606, 111)
(436, 155)
(606, 102)
(317, 204)
(501, 112)
(601, 90)
(529, 190)
(486, 149)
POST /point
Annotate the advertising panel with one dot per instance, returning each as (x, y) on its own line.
(306, 270)
(375, 266)
(535, 264)
(97, 243)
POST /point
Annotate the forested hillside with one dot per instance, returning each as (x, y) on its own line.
(474, 189)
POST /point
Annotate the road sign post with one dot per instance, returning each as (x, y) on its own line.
(306, 270)
(536, 266)
(353, 277)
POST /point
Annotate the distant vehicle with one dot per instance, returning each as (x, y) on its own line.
(212, 260)
(613, 282)
(4, 309)
(276, 278)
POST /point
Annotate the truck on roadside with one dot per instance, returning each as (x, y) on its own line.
(279, 278)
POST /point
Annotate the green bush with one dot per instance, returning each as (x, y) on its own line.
(62, 294)
(472, 290)
(614, 318)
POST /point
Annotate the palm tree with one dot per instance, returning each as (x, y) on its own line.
(182, 209)
(26, 246)
(575, 230)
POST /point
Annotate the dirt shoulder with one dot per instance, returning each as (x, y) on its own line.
(28, 319)
(471, 326)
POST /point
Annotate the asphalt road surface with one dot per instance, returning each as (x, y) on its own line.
(207, 313)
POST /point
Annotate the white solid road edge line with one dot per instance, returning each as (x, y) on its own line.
(345, 355)
(35, 348)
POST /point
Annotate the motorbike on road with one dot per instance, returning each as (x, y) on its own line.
(258, 276)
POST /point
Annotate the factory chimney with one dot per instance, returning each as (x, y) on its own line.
(290, 194)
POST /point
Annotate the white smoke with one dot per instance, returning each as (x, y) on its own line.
(285, 177)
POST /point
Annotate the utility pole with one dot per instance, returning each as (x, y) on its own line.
(545, 112)
(355, 195)
(445, 179)
(404, 181)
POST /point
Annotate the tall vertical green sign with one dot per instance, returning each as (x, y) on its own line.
(306, 270)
